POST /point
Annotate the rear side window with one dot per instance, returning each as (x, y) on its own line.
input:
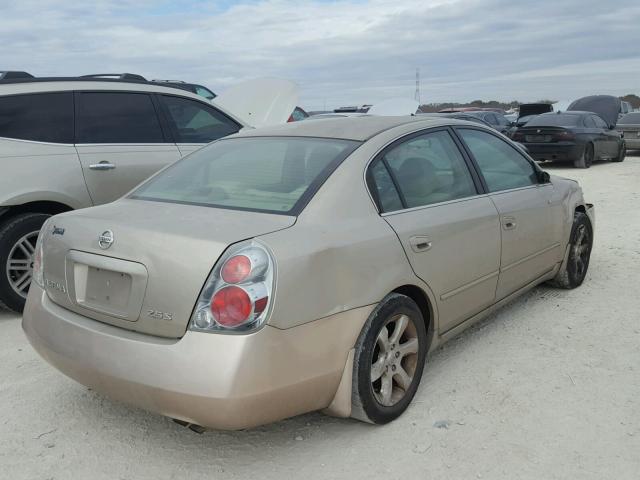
(502, 166)
(41, 117)
(381, 185)
(194, 122)
(600, 123)
(114, 117)
(589, 122)
(427, 169)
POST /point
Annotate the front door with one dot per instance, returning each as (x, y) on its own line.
(531, 214)
(119, 141)
(449, 231)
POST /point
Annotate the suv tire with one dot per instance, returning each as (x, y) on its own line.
(17, 244)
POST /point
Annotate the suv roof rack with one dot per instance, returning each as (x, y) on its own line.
(168, 81)
(8, 75)
(117, 76)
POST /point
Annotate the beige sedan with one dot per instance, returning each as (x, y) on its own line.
(310, 266)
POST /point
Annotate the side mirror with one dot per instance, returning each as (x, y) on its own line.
(543, 177)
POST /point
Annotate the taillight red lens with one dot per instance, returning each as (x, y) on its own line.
(231, 306)
(518, 136)
(236, 269)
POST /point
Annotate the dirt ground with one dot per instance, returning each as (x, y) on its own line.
(547, 388)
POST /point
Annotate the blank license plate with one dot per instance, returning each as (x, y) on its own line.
(538, 138)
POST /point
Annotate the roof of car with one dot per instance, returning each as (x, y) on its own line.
(567, 112)
(347, 128)
(60, 85)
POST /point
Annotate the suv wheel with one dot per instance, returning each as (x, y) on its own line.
(17, 247)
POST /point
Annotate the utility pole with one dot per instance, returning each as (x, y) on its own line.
(417, 94)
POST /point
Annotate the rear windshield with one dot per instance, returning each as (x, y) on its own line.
(633, 118)
(555, 120)
(274, 174)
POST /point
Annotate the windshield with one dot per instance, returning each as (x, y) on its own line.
(630, 118)
(265, 174)
(554, 120)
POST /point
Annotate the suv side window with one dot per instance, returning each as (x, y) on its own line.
(116, 117)
(195, 122)
(427, 169)
(502, 166)
(40, 117)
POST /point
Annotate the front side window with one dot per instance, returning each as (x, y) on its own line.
(116, 117)
(194, 122)
(41, 117)
(502, 166)
(427, 169)
(275, 174)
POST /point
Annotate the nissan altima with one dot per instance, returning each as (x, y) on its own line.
(310, 266)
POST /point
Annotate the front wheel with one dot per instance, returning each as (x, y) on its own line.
(389, 358)
(17, 248)
(586, 159)
(573, 273)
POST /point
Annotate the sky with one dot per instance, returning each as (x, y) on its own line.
(340, 52)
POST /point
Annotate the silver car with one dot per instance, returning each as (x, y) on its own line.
(305, 267)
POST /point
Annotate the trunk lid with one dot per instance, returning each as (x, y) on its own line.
(150, 276)
(543, 135)
(527, 109)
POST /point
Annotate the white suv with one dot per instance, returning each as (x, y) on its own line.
(69, 143)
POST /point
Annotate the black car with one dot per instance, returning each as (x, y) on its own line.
(496, 120)
(573, 136)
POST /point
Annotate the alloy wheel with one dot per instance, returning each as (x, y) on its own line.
(394, 361)
(19, 267)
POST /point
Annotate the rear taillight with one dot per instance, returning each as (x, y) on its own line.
(38, 264)
(518, 136)
(291, 119)
(239, 291)
(564, 136)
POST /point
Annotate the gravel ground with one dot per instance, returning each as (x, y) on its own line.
(546, 388)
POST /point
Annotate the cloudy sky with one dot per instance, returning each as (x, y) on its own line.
(340, 52)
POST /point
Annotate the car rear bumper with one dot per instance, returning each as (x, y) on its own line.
(220, 381)
(554, 151)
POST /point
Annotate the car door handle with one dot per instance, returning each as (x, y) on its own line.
(509, 223)
(102, 166)
(420, 243)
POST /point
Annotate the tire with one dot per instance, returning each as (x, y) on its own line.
(586, 159)
(573, 273)
(622, 153)
(370, 401)
(15, 237)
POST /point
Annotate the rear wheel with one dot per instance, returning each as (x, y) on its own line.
(573, 273)
(622, 153)
(17, 247)
(586, 159)
(389, 360)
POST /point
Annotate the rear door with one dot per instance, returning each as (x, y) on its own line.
(531, 214)
(449, 231)
(610, 138)
(193, 124)
(120, 141)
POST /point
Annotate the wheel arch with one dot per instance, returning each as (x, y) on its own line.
(420, 297)
(47, 207)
